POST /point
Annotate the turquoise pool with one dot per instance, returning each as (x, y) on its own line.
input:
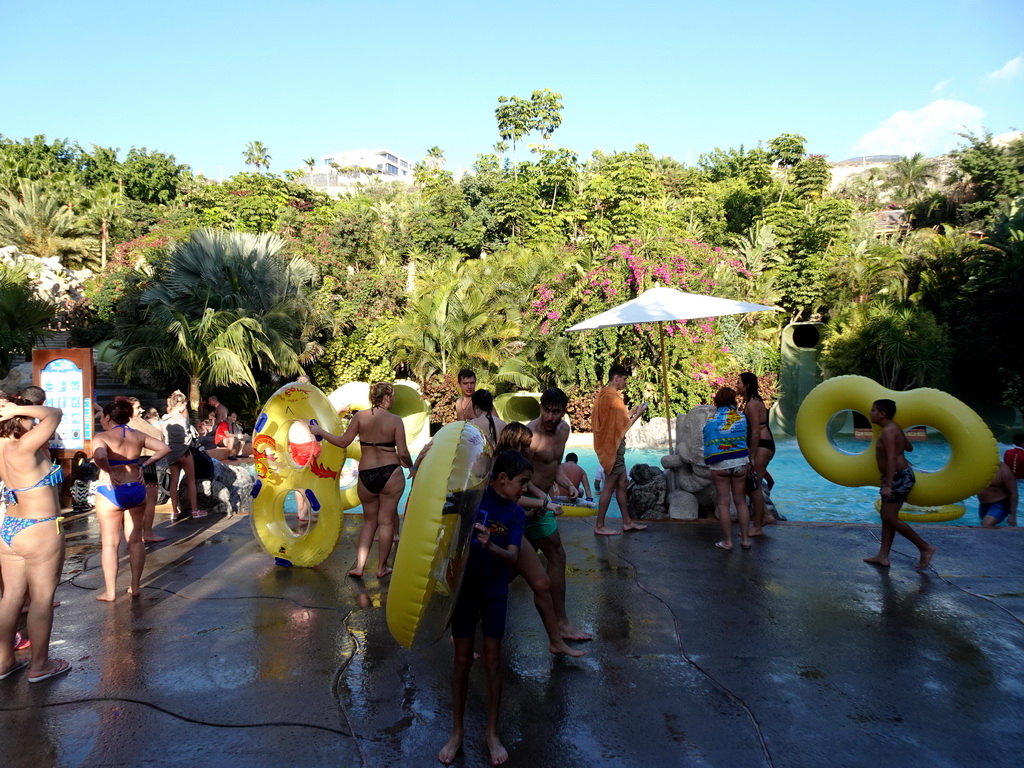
(800, 493)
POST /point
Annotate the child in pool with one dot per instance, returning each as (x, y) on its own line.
(484, 597)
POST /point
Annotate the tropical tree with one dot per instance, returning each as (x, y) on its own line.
(785, 151)
(435, 158)
(310, 163)
(257, 155)
(104, 205)
(517, 118)
(910, 177)
(23, 315)
(228, 306)
(455, 319)
(900, 346)
(39, 223)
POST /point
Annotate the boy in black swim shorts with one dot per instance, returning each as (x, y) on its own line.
(483, 598)
(897, 481)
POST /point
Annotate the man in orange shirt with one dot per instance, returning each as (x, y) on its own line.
(609, 422)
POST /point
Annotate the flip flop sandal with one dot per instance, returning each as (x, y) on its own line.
(745, 546)
(21, 642)
(722, 547)
(62, 667)
(17, 665)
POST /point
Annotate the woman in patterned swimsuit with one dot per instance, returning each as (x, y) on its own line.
(382, 439)
(117, 451)
(31, 539)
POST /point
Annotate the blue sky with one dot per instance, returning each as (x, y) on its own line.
(201, 79)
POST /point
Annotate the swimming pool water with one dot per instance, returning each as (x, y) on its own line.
(800, 493)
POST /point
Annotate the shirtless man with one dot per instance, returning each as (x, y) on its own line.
(577, 476)
(998, 501)
(547, 447)
(897, 482)
(464, 405)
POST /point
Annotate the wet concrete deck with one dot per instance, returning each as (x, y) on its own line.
(793, 654)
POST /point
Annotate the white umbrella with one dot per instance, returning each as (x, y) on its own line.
(664, 305)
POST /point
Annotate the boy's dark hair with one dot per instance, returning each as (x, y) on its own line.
(554, 398)
(572, 457)
(511, 464)
(1018, 439)
(466, 373)
(33, 395)
(886, 406)
(617, 370)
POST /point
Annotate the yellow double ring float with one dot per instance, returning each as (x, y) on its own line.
(288, 459)
(940, 514)
(431, 558)
(974, 455)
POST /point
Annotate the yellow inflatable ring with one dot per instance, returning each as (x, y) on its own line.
(940, 514)
(569, 510)
(285, 463)
(348, 477)
(974, 455)
(439, 516)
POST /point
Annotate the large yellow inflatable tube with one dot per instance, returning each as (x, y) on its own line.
(439, 516)
(974, 455)
(940, 514)
(288, 460)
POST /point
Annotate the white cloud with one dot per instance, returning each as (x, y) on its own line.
(1008, 71)
(931, 129)
(940, 86)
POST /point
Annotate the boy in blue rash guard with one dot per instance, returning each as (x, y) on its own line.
(493, 551)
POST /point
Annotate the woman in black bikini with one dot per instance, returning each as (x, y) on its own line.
(117, 451)
(382, 439)
(760, 443)
(31, 539)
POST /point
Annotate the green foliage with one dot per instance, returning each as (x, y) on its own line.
(23, 315)
(257, 155)
(812, 176)
(902, 347)
(517, 118)
(626, 193)
(228, 305)
(994, 173)
(366, 354)
(910, 177)
(38, 223)
(786, 149)
(151, 177)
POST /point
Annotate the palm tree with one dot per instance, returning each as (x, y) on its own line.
(104, 205)
(229, 304)
(909, 177)
(310, 163)
(943, 265)
(23, 315)
(257, 154)
(435, 158)
(40, 224)
(455, 320)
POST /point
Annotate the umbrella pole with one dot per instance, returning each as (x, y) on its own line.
(664, 381)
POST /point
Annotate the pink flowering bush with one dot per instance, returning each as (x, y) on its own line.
(698, 360)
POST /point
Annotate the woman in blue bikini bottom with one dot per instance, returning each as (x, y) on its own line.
(123, 491)
(31, 555)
